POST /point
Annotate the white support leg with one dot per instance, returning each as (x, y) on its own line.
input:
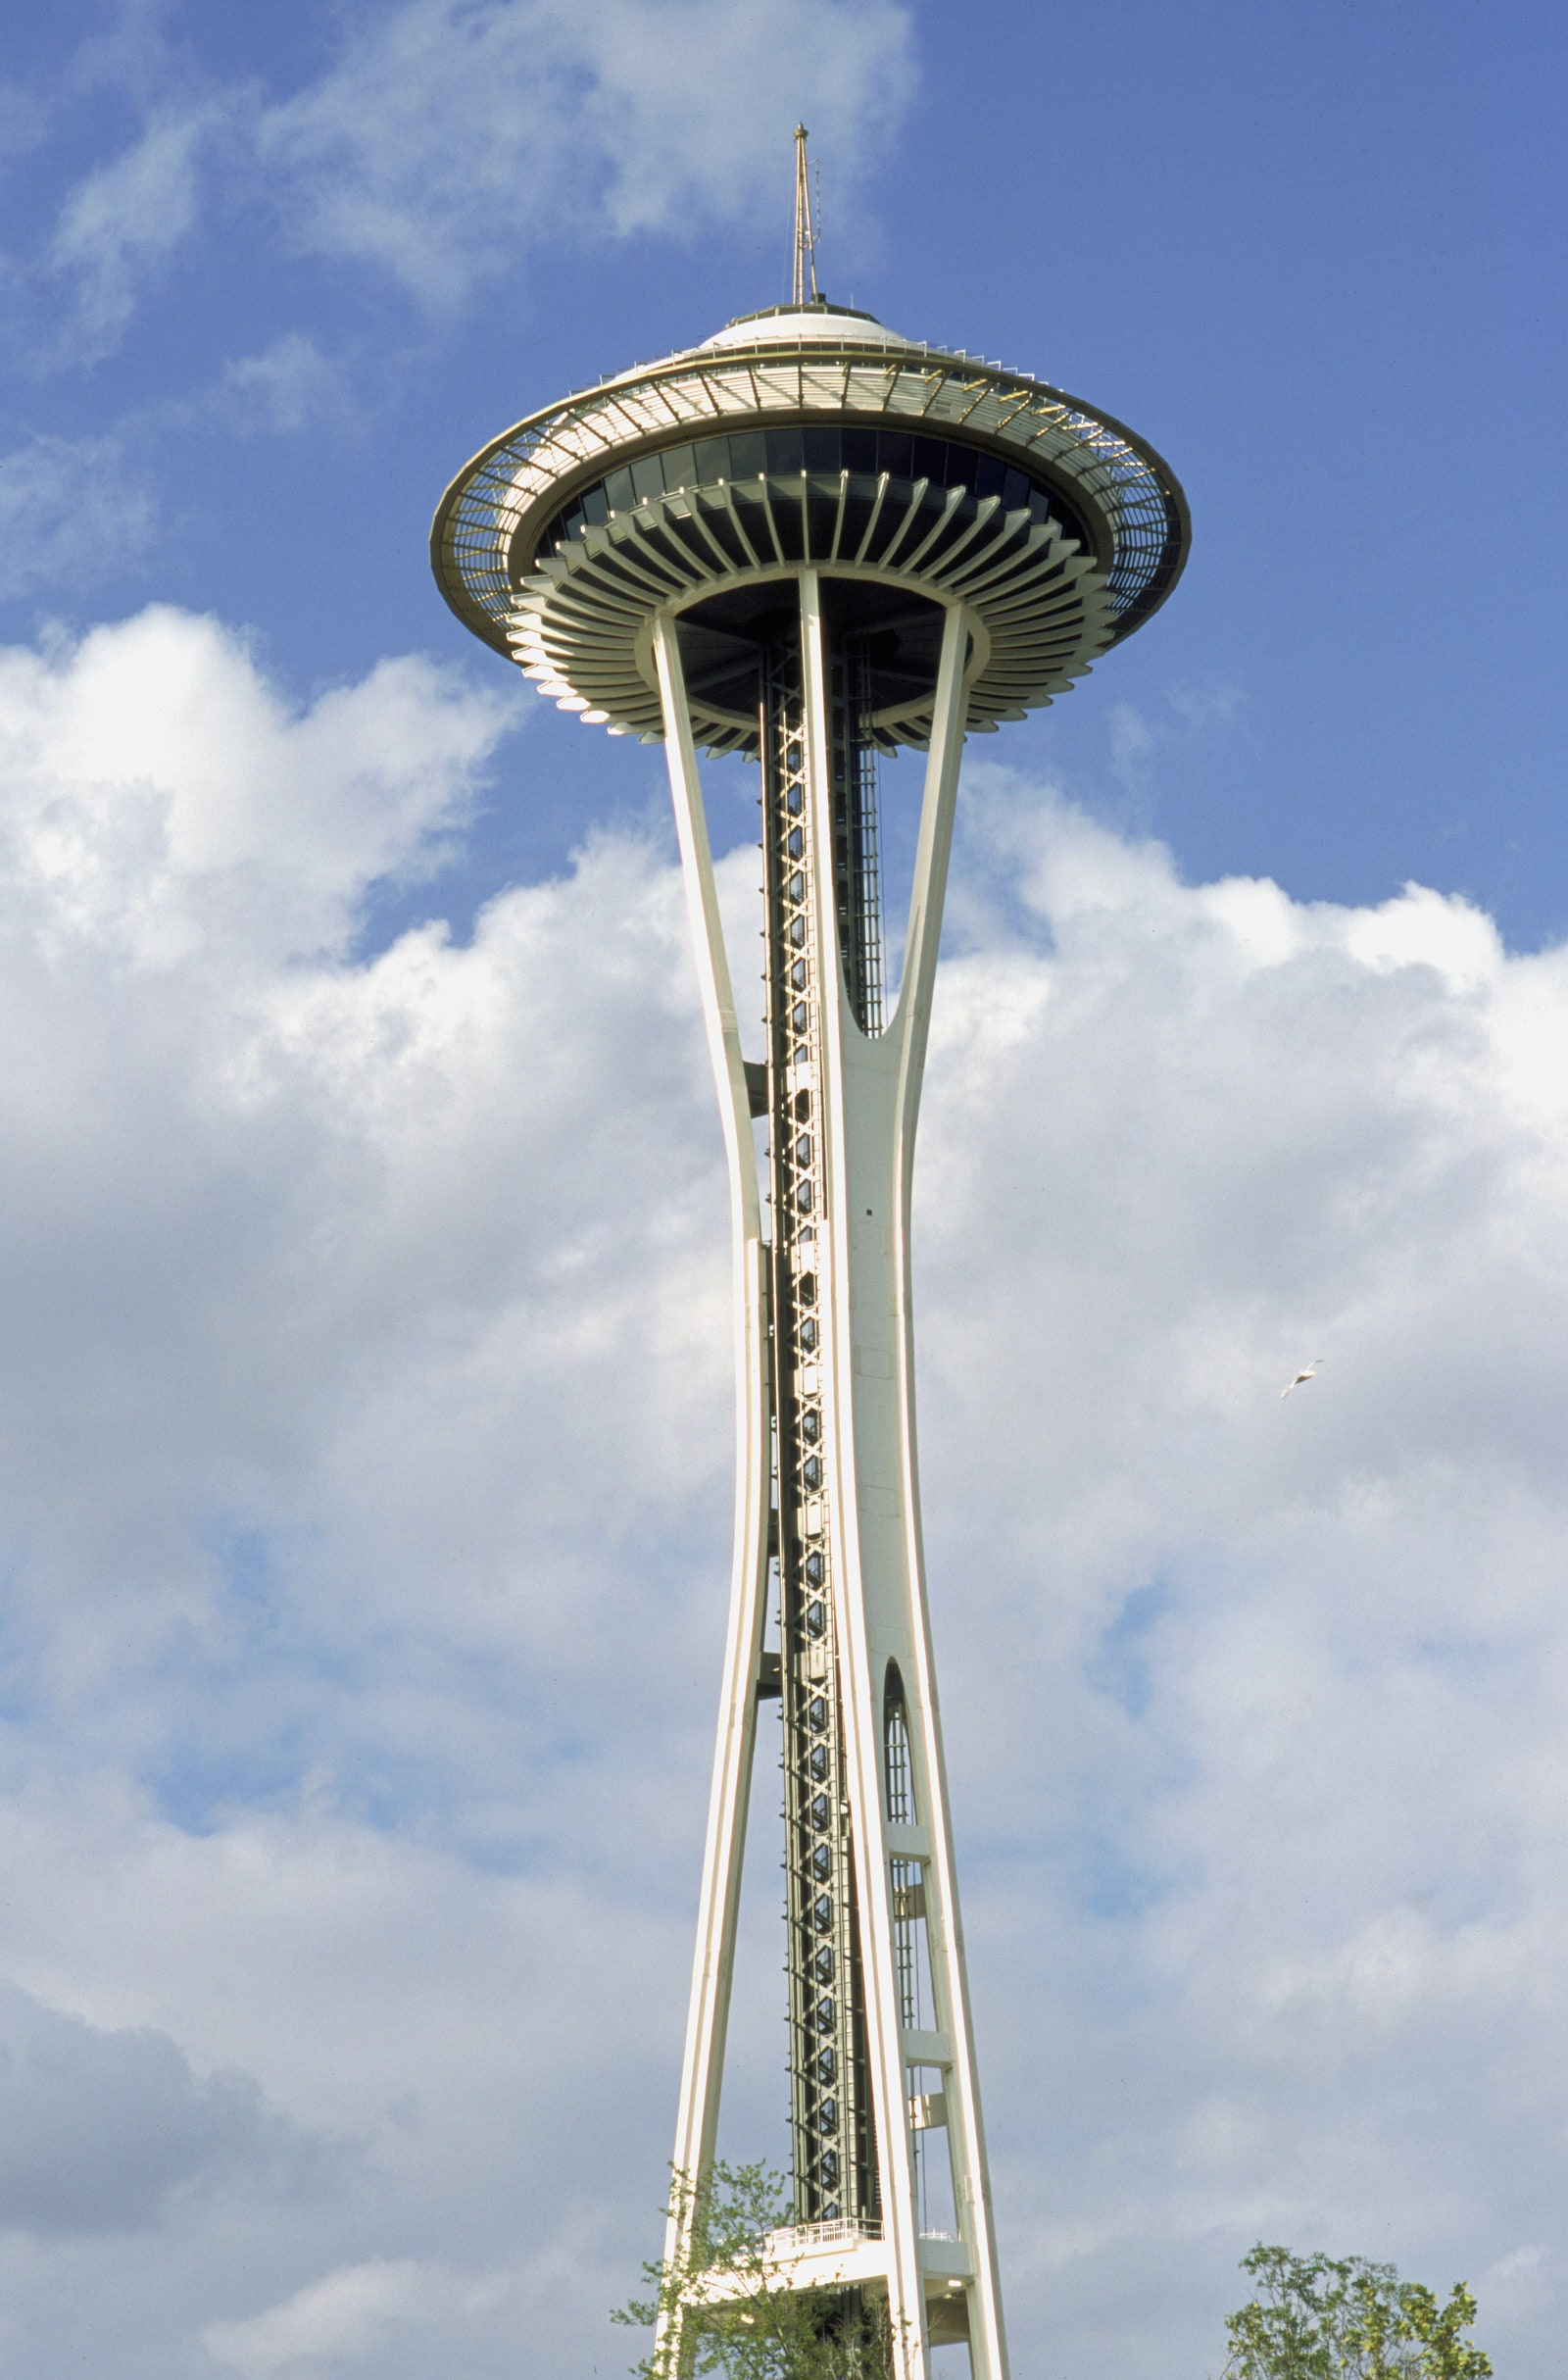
(870, 1105)
(971, 2181)
(718, 1909)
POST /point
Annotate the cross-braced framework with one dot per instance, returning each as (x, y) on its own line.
(809, 543)
(834, 2168)
(834, 2154)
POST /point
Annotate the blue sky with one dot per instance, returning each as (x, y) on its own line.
(1310, 251)
(364, 1403)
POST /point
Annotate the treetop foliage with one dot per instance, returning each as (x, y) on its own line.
(1324, 2317)
(721, 2304)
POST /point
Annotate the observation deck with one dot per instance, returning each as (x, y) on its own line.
(809, 436)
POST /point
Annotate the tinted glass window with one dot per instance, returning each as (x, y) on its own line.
(746, 454)
(928, 460)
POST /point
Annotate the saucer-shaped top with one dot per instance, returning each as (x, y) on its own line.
(809, 435)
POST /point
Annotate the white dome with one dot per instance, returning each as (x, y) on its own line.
(790, 326)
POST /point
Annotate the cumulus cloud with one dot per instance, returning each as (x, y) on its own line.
(164, 797)
(1271, 1665)
(364, 1468)
(446, 136)
(175, 837)
(97, 2127)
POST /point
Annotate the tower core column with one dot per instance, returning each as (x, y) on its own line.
(882, 2076)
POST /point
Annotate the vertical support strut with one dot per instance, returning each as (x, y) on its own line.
(835, 2169)
(882, 2072)
(718, 1909)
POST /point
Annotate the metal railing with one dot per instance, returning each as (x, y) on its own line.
(798, 2239)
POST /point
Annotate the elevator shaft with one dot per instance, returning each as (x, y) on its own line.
(833, 2137)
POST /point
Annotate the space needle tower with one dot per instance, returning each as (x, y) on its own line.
(810, 541)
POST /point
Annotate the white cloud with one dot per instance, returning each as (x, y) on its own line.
(1269, 1668)
(1140, 740)
(69, 508)
(289, 386)
(164, 797)
(97, 2127)
(125, 219)
(448, 137)
(345, 2317)
(363, 1455)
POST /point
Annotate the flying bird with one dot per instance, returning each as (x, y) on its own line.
(1310, 1374)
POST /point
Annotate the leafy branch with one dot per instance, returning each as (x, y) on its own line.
(1324, 2317)
(721, 2304)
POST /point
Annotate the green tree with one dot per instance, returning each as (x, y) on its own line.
(1324, 2317)
(718, 2304)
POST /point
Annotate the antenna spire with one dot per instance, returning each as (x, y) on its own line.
(805, 225)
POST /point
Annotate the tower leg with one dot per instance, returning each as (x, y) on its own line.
(883, 2072)
(719, 1911)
